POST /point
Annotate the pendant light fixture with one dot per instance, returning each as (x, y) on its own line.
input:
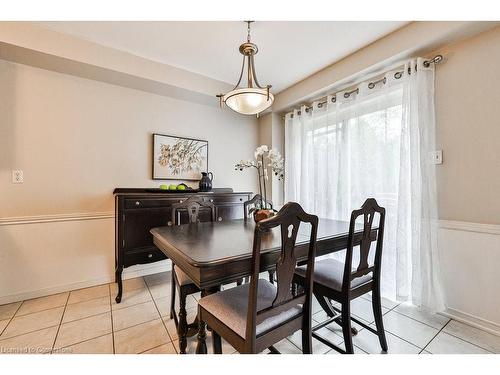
(254, 98)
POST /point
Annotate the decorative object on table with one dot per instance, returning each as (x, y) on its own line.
(180, 188)
(265, 158)
(254, 98)
(178, 158)
(206, 181)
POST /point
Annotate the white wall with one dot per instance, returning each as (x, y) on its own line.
(76, 140)
(469, 257)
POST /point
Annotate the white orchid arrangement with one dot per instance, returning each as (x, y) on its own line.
(265, 158)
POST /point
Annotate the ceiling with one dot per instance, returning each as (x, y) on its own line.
(288, 51)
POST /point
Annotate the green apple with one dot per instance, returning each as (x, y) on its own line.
(181, 187)
(164, 187)
(172, 187)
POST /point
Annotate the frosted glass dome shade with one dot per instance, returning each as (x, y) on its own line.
(249, 101)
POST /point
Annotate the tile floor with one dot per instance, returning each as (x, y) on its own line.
(89, 321)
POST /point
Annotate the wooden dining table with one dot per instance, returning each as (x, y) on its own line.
(217, 253)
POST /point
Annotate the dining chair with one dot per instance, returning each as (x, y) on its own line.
(180, 280)
(341, 282)
(255, 316)
(252, 204)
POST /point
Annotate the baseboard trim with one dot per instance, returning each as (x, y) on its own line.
(474, 321)
(470, 227)
(129, 273)
(56, 218)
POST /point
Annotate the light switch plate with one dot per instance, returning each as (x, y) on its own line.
(17, 176)
(437, 157)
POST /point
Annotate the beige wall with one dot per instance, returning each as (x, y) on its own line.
(468, 129)
(271, 133)
(77, 139)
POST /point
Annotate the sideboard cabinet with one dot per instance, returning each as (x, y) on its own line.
(139, 210)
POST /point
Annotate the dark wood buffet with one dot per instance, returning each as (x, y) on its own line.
(139, 210)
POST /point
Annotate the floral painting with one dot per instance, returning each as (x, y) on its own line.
(178, 158)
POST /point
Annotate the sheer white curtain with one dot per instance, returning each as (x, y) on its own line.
(375, 143)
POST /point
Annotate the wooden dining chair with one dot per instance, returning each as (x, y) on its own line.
(193, 205)
(341, 282)
(256, 315)
(253, 204)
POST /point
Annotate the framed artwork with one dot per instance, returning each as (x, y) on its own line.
(178, 158)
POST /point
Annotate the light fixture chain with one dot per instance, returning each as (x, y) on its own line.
(248, 30)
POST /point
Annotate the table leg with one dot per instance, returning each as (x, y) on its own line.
(332, 311)
(326, 305)
(201, 348)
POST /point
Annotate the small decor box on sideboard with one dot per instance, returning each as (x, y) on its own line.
(139, 210)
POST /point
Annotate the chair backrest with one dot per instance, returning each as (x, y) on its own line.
(368, 210)
(192, 205)
(288, 219)
(257, 198)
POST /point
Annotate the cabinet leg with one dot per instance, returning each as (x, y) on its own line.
(118, 279)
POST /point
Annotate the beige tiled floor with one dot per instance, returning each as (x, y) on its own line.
(89, 321)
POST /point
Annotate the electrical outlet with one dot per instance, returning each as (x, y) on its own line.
(17, 176)
(437, 157)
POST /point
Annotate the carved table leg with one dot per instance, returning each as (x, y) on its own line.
(332, 311)
(201, 348)
(326, 305)
(183, 326)
(118, 279)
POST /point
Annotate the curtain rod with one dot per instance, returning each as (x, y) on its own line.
(435, 60)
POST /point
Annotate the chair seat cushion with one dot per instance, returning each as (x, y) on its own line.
(231, 306)
(181, 277)
(330, 273)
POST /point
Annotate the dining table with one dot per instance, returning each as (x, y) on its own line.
(213, 254)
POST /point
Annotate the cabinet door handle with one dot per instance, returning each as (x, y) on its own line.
(137, 203)
(150, 255)
(219, 218)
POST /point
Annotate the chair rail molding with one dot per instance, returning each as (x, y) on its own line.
(470, 227)
(56, 218)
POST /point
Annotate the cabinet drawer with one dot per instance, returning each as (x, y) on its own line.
(229, 212)
(150, 202)
(141, 257)
(226, 199)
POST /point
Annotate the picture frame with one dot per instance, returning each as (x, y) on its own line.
(179, 158)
